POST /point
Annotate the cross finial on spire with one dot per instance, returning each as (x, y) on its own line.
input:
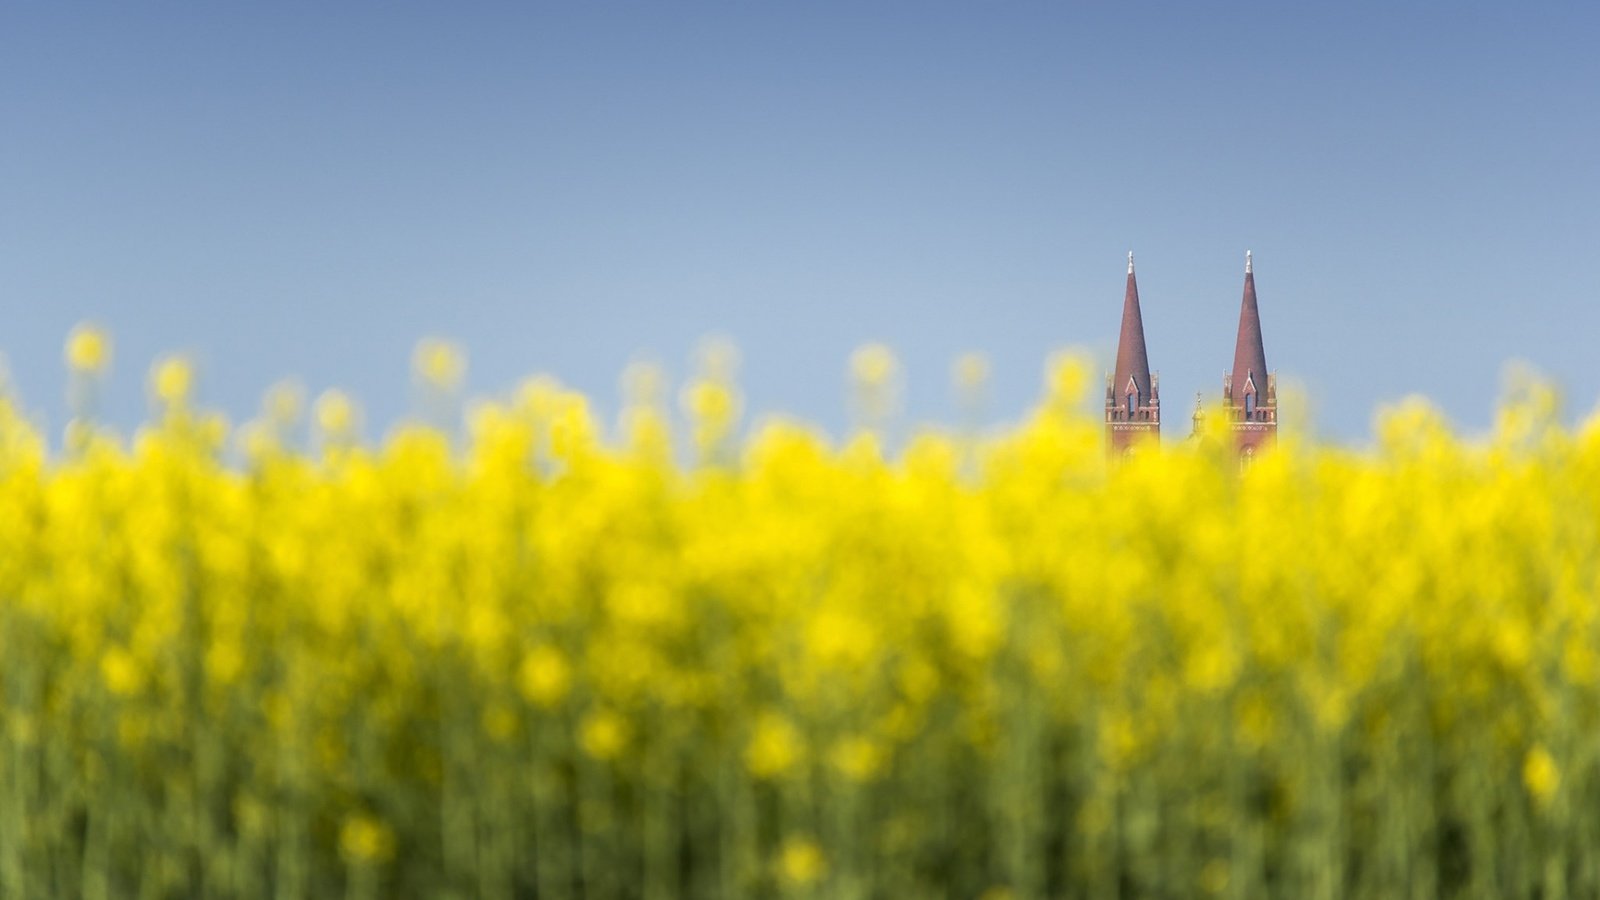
(1247, 262)
(1130, 262)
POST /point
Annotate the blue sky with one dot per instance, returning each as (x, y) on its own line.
(305, 189)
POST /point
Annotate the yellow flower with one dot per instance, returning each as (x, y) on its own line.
(1066, 378)
(708, 401)
(1211, 667)
(582, 625)
(256, 441)
(873, 365)
(643, 384)
(1540, 775)
(544, 676)
(801, 861)
(123, 673)
(172, 380)
(603, 734)
(365, 840)
(284, 403)
(439, 364)
(774, 747)
(336, 414)
(1256, 721)
(841, 640)
(225, 660)
(88, 349)
(858, 758)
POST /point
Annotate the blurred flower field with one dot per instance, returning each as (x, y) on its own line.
(537, 657)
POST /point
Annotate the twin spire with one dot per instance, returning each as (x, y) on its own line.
(1249, 353)
(1132, 372)
(1133, 399)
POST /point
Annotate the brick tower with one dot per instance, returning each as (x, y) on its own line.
(1133, 397)
(1250, 391)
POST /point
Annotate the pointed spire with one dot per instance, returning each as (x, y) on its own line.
(1249, 353)
(1133, 364)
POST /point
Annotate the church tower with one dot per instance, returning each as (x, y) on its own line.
(1133, 398)
(1250, 391)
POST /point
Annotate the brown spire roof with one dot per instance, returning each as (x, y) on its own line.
(1249, 354)
(1132, 361)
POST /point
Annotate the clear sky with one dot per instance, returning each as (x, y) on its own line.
(306, 188)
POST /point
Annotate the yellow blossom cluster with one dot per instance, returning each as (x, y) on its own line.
(531, 660)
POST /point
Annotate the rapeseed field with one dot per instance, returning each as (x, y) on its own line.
(533, 656)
